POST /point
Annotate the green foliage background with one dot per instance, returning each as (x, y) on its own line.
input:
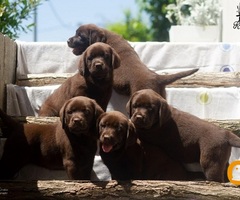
(132, 28)
(13, 13)
(135, 29)
(156, 9)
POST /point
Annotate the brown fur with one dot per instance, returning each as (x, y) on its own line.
(132, 75)
(70, 145)
(183, 136)
(94, 80)
(128, 158)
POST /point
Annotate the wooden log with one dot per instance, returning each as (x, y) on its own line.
(199, 79)
(231, 125)
(42, 79)
(44, 190)
(209, 79)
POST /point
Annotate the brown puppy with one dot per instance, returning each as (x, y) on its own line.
(70, 144)
(94, 80)
(127, 158)
(132, 75)
(118, 148)
(183, 136)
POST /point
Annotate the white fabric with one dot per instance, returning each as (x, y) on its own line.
(214, 103)
(206, 103)
(41, 57)
(45, 57)
(214, 57)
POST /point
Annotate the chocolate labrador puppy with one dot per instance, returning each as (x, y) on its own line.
(185, 137)
(128, 158)
(94, 80)
(118, 148)
(132, 75)
(69, 144)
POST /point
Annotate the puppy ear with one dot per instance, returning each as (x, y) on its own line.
(62, 115)
(129, 104)
(97, 36)
(98, 121)
(116, 61)
(82, 65)
(164, 111)
(131, 134)
(128, 108)
(98, 110)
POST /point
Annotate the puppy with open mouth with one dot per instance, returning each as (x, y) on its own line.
(118, 148)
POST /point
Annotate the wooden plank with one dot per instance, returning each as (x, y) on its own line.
(2, 84)
(55, 189)
(199, 79)
(8, 53)
(10, 64)
(10, 60)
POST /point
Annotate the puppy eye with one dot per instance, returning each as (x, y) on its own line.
(134, 106)
(69, 112)
(90, 58)
(102, 126)
(87, 112)
(106, 56)
(120, 128)
(149, 108)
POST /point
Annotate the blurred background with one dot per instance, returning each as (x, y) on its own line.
(135, 20)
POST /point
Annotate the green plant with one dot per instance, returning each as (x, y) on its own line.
(156, 9)
(194, 12)
(132, 29)
(12, 15)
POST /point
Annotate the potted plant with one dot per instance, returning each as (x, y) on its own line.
(194, 20)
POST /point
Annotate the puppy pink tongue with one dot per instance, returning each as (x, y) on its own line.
(107, 148)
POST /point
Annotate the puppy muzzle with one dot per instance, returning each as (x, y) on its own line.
(100, 71)
(78, 126)
(140, 121)
(74, 42)
(108, 144)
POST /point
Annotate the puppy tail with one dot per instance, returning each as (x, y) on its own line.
(233, 140)
(170, 78)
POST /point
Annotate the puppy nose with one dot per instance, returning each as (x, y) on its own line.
(77, 120)
(99, 66)
(139, 117)
(69, 41)
(106, 138)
